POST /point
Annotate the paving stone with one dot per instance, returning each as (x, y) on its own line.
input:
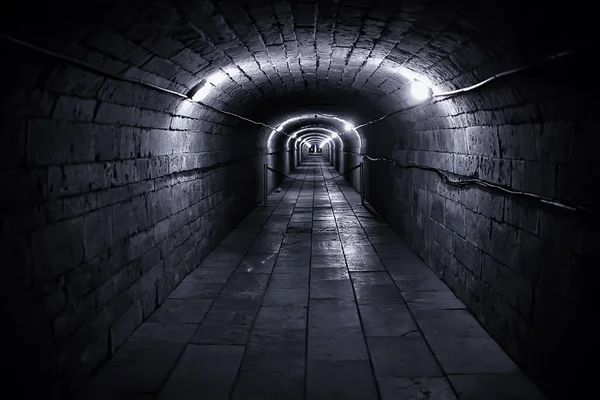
(495, 387)
(229, 321)
(164, 331)
(184, 311)
(275, 350)
(397, 249)
(291, 264)
(328, 261)
(286, 297)
(319, 237)
(351, 249)
(410, 265)
(415, 388)
(217, 259)
(266, 244)
(282, 384)
(371, 278)
(438, 300)
(408, 283)
(386, 320)
(138, 368)
(331, 289)
(359, 262)
(321, 247)
(374, 294)
(205, 371)
(448, 323)
(471, 355)
(257, 263)
(247, 284)
(270, 318)
(210, 274)
(407, 356)
(332, 312)
(324, 274)
(196, 290)
(348, 379)
(336, 344)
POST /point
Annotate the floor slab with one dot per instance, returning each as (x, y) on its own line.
(312, 297)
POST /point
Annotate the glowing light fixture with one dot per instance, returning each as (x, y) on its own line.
(420, 91)
(217, 78)
(201, 93)
(209, 84)
(329, 139)
(347, 126)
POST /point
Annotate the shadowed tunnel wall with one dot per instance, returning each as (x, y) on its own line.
(114, 190)
(521, 266)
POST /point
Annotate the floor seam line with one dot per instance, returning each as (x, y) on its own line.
(232, 389)
(362, 327)
(454, 391)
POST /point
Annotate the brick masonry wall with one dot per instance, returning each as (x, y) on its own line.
(523, 268)
(112, 193)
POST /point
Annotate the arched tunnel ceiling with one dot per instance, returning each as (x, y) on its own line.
(287, 129)
(326, 133)
(315, 138)
(274, 59)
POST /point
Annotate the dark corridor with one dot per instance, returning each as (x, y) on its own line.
(429, 168)
(314, 297)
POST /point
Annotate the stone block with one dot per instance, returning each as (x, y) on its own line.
(511, 286)
(74, 109)
(555, 141)
(74, 80)
(190, 60)
(161, 67)
(159, 205)
(57, 248)
(110, 113)
(97, 232)
(454, 217)
(522, 213)
(466, 165)
(437, 205)
(534, 177)
(495, 170)
(467, 254)
(518, 141)
(478, 230)
(129, 217)
(118, 46)
(505, 244)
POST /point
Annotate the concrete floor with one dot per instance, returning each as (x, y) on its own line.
(311, 297)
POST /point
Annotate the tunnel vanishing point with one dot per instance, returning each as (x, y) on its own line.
(429, 222)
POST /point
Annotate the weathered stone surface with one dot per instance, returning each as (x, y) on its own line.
(92, 163)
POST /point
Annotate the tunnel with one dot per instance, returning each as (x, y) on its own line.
(283, 199)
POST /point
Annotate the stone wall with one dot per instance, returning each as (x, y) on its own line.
(112, 193)
(522, 267)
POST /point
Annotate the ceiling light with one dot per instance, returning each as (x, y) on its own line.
(420, 91)
(217, 78)
(201, 93)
